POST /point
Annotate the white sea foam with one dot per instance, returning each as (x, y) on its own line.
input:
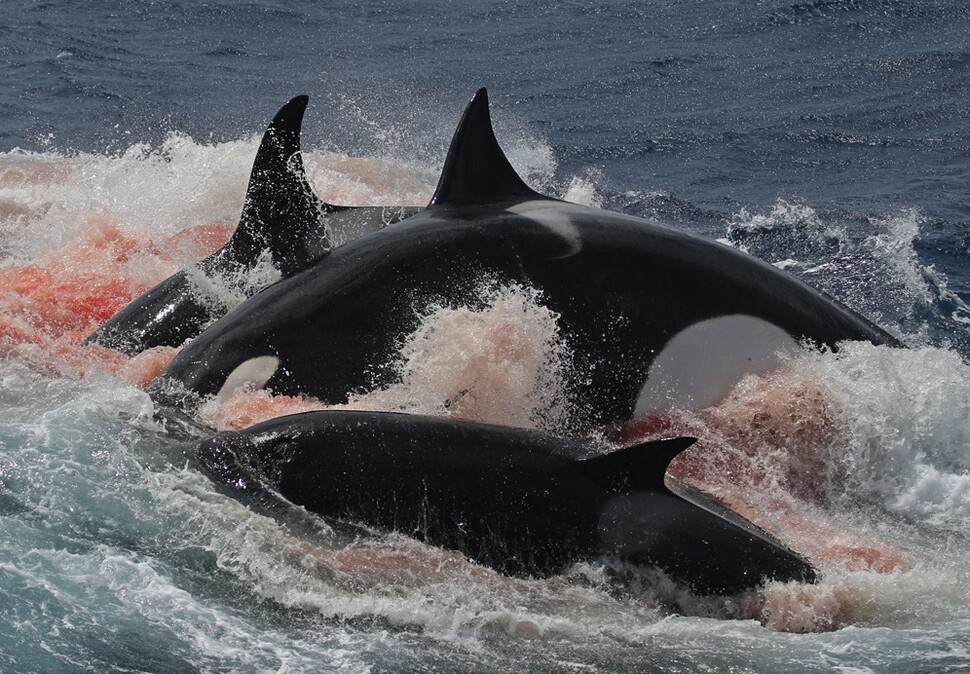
(582, 190)
(906, 418)
(226, 290)
(875, 269)
(501, 363)
(787, 215)
(893, 242)
(81, 467)
(160, 191)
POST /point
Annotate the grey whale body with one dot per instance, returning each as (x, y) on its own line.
(522, 502)
(624, 288)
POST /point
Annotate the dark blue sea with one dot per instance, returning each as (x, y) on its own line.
(828, 137)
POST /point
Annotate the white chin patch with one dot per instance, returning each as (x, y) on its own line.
(254, 373)
(701, 363)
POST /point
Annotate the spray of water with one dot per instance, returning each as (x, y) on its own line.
(850, 457)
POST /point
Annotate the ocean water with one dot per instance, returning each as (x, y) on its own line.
(829, 137)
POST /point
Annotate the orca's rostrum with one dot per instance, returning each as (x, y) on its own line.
(653, 317)
(522, 502)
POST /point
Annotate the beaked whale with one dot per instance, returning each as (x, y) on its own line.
(281, 216)
(522, 502)
(652, 316)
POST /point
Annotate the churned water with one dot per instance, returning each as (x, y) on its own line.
(829, 137)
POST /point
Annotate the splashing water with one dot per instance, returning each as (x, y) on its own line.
(500, 363)
(871, 264)
(848, 457)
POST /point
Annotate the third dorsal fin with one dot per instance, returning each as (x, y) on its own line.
(637, 467)
(281, 212)
(476, 170)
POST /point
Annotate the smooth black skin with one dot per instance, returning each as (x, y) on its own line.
(518, 501)
(281, 214)
(622, 286)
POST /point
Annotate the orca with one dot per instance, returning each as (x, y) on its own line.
(281, 216)
(523, 502)
(650, 315)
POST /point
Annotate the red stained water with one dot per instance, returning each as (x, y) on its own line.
(49, 306)
(760, 451)
(247, 408)
(765, 452)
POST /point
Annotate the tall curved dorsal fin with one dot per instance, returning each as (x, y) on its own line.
(476, 171)
(637, 467)
(281, 212)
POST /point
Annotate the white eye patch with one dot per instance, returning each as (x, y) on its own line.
(254, 372)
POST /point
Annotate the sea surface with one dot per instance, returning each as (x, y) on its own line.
(828, 137)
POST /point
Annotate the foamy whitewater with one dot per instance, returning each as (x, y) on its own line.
(125, 157)
(120, 553)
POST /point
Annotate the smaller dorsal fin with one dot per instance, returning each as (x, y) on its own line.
(281, 212)
(476, 170)
(637, 467)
